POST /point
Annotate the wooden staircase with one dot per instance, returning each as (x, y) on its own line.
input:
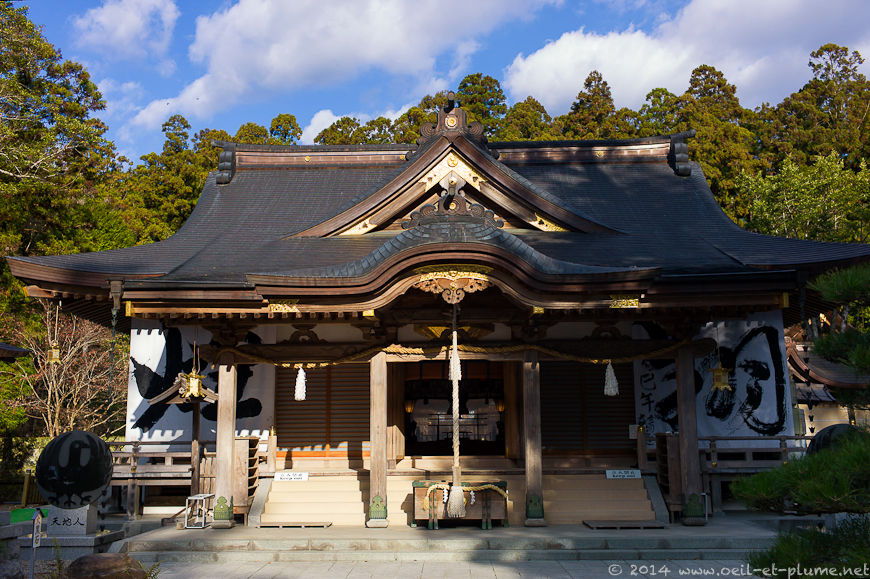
(572, 499)
(341, 497)
(337, 499)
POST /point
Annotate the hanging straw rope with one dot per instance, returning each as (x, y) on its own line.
(432, 351)
(299, 394)
(456, 502)
(611, 386)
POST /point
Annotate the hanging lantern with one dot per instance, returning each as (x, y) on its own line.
(190, 385)
(720, 374)
(194, 385)
(720, 378)
(52, 356)
(409, 406)
(499, 405)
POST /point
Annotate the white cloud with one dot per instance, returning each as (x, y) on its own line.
(325, 117)
(319, 121)
(753, 43)
(122, 98)
(123, 29)
(267, 46)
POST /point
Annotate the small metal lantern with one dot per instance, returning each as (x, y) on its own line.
(194, 385)
(720, 378)
(53, 354)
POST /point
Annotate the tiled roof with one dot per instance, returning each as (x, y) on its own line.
(657, 220)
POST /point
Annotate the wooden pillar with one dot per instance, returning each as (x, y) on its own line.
(513, 403)
(195, 452)
(225, 442)
(272, 451)
(132, 487)
(395, 413)
(690, 463)
(532, 438)
(195, 458)
(378, 430)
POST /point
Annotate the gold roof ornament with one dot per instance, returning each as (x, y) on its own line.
(452, 285)
(284, 306)
(452, 282)
(624, 301)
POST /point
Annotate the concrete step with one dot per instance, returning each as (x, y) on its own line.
(577, 538)
(151, 557)
(445, 545)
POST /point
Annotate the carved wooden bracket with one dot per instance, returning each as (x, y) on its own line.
(453, 284)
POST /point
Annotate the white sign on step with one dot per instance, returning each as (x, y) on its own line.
(623, 473)
(291, 476)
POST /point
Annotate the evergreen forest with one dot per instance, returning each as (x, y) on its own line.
(796, 168)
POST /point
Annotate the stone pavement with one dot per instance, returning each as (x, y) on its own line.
(475, 570)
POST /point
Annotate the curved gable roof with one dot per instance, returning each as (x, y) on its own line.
(280, 209)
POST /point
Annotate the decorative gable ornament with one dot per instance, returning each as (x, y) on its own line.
(452, 121)
(452, 284)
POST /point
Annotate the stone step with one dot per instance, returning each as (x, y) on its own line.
(150, 557)
(444, 540)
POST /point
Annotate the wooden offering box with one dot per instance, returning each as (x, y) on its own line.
(488, 503)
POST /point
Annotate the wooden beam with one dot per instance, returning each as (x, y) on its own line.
(377, 516)
(532, 438)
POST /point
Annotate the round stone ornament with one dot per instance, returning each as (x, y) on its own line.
(74, 469)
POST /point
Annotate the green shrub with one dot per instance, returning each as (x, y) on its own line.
(830, 481)
(847, 546)
(15, 452)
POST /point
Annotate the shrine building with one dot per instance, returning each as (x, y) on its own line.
(597, 294)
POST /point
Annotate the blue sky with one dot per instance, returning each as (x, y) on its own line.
(223, 63)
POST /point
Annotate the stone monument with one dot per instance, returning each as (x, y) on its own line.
(71, 474)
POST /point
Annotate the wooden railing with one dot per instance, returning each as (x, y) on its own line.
(137, 463)
(722, 459)
(765, 452)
